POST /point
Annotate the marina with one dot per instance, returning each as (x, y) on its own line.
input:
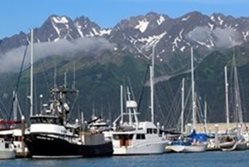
(124, 83)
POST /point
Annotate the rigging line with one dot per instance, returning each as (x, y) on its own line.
(143, 87)
(159, 107)
(130, 88)
(45, 74)
(73, 105)
(19, 78)
(172, 107)
(4, 107)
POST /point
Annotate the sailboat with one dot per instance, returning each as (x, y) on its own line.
(193, 142)
(233, 140)
(135, 137)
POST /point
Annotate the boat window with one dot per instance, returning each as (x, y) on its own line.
(44, 120)
(140, 136)
(149, 131)
(126, 136)
(154, 130)
(6, 145)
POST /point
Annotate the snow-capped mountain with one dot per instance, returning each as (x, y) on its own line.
(138, 34)
(173, 36)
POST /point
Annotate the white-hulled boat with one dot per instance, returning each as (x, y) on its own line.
(191, 144)
(137, 138)
(134, 137)
(145, 139)
(7, 150)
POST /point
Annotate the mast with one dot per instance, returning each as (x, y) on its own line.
(226, 92)
(55, 76)
(121, 104)
(74, 76)
(15, 106)
(182, 112)
(152, 83)
(129, 108)
(237, 93)
(205, 116)
(31, 71)
(193, 90)
(65, 79)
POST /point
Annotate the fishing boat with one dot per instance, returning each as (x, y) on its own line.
(52, 136)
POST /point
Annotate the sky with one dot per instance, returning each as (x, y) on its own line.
(22, 15)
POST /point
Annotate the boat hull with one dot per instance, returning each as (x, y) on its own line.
(40, 146)
(141, 149)
(7, 154)
(186, 148)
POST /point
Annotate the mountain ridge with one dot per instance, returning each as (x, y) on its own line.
(138, 34)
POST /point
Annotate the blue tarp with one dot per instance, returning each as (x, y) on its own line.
(198, 136)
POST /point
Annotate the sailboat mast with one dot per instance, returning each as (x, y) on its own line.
(65, 79)
(152, 83)
(237, 93)
(226, 92)
(129, 108)
(74, 76)
(31, 71)
(182, 112)
(121, 103)
(193, 90)
(55, 76)
(205, 116)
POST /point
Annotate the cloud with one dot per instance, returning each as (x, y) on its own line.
(11, 61)
(222, 37)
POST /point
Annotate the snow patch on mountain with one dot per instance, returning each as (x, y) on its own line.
(211, 26)
(62, 20)
(160, 20)
(105, 32)
(245, 35)
(183, 48)
(176, 40)
(151, 40)
(220, 20)
(79, 27)
(142, 25)
(186, 18)
(95, 31)
(212, 18)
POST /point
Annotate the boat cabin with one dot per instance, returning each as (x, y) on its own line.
(46, 119)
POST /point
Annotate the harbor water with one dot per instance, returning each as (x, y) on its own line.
(205, 159)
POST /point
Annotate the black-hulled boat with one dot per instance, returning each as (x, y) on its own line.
(51, 136)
